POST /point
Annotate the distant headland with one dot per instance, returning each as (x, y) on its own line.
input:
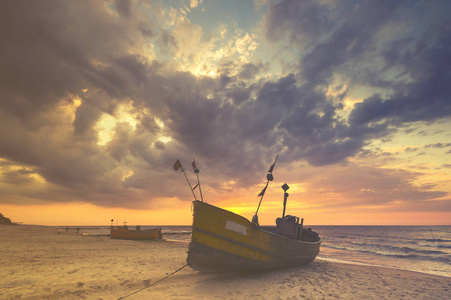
(5, 221)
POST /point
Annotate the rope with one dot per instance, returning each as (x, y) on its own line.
(153, 283)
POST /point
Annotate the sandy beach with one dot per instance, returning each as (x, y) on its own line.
(37, 262)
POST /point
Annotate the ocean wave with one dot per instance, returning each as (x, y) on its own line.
(401, 252)
(396, 249)
(418, 248)
(420, 257)
(435, 245)
(176, 232)
(437, 240)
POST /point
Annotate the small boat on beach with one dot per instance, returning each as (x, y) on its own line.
(223, 240)
(119, 232)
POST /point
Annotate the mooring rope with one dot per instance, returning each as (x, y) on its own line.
(153, 283)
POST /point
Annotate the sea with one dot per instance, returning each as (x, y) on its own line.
(425, 249)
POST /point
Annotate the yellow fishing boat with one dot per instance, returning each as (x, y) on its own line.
(224, 240)
(129, 234)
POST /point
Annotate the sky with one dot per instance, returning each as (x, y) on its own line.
(98, 99)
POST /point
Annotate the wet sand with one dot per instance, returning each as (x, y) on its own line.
(37, 262)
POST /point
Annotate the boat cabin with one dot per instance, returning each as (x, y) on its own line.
(289, 226)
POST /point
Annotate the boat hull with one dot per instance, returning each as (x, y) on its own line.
(224, 240)
(127, 234)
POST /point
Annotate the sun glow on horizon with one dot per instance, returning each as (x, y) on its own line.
(84, 214)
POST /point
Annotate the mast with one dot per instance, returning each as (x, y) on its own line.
(269, 177)
(177, 166)
(196, 170)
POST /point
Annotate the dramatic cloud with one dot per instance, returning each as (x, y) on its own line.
(99, 98)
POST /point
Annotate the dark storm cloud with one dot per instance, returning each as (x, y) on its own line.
(426, 95)
(19, 177)
(438, 145)
(281, 115)
(338, 39)
(248, 71)
(351, 42)
(124, 7)
(297, 118)
(85, 117)
(51, 51)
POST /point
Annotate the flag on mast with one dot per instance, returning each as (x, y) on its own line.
(263, 191)
(196, 170)
(272, 166)
(177, 165)
(269, 177)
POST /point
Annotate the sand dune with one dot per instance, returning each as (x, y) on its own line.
(37, 262)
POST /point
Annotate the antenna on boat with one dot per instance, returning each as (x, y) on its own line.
(285, 188)
(196, 170)
(269, 178)
(177, 166)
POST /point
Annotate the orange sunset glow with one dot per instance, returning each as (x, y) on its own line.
(99, 99)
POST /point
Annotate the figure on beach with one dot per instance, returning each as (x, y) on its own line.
(138, 227)
(78, 229)
(67, 228)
